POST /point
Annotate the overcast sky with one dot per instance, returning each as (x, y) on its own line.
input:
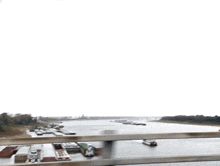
(115, 57)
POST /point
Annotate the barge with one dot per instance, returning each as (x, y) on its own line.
(66, 132)
(71, 147)
(127, 122)
(39, 132)
(48, 153)
(60, 152)
(139, 124)
(22, 155)
(8, 151)
(87, 150)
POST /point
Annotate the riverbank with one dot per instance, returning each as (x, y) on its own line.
(186, 123)
(18, 131)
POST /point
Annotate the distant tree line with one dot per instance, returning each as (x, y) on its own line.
(56, 118)
(17, 119)
(107, 117)
(193, 119)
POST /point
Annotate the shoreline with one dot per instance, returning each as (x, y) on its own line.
(186, 123)
(16, 132)
(19, 131)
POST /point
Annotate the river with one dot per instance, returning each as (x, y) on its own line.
(135, 148)
(130, 149)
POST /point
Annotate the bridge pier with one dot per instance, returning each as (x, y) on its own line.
(108, 146)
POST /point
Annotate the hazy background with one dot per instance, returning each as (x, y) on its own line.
(115, 57)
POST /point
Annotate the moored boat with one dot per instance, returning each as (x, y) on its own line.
(71, 147)
(60, 152)
(149, 142)
(87, 150)
(8, 151)
(22, 155)
(142, 124)
(127, 122)
(48, 153)
(58, 126)
(66, 132)
(33, 156)
(39, 132)
(34, 153)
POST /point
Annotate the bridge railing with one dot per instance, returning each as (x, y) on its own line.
(109, 137)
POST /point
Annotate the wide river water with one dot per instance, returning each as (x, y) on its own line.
(135, 148)
(166, 147)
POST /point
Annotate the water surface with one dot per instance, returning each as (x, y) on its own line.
(135, 148)
(165, 148)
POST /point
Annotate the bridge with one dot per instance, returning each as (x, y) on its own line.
(108, 139)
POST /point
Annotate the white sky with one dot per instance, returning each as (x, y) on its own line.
(115, 57)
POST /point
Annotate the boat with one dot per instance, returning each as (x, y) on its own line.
(127, 122)
(71, 147)
(61, 153)
(33, 156)
(22, 155)
(149, 142)
(59, 127)
(66, 132)
(87, 150)
(70, 133)
(90, 151)
(120, 121)
(139, 123)
(142, 124)
(48, 153)
(8, 151)
(39, 132)
(34, 153)
(48, 131)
